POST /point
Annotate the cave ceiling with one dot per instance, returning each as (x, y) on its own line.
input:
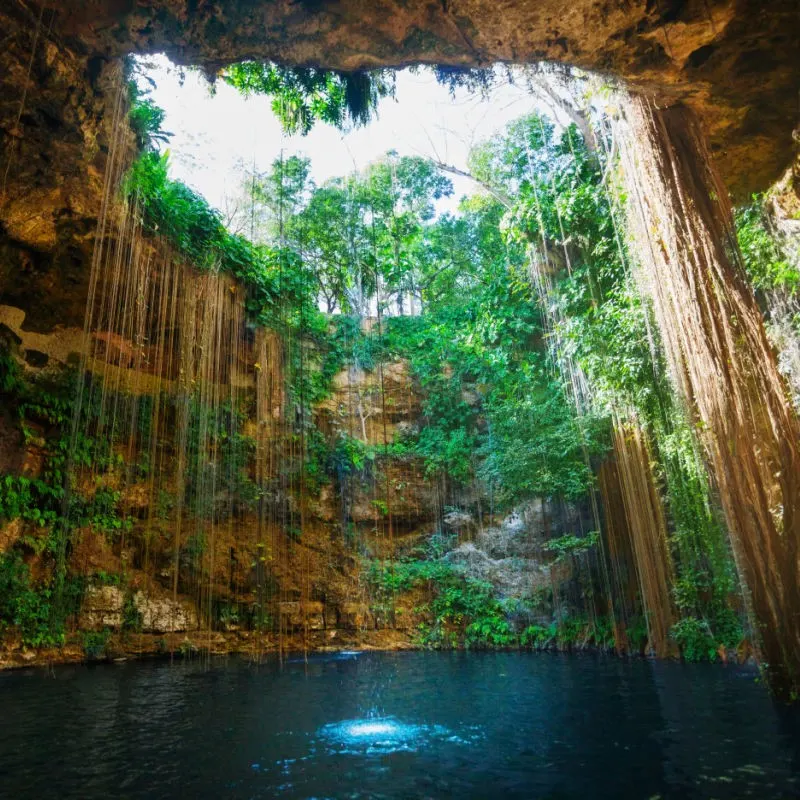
(734, 61)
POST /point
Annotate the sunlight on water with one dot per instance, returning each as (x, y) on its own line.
(388, 735)
(373, 729)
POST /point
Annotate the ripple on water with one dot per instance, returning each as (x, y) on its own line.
(379, 735)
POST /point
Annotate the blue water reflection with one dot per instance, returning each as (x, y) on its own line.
(396, 725)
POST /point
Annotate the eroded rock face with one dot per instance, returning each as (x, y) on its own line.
(512, 557)
(734, 60)
(104, 607)
(54, 128)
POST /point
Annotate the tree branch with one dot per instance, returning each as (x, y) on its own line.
(498, 194)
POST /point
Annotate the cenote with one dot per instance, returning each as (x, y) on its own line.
(399, 399)
(396, 725)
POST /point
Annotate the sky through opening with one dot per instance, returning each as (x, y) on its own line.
(219, 135)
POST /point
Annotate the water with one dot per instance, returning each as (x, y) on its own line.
(405, 725)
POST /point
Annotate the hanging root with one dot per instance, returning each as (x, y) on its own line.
(720, 359)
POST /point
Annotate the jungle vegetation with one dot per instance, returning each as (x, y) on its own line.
(456, 296)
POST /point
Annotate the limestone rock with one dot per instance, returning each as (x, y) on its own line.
(458, 520)
(102, 608)
(355, 617)
(165, 615)
(296, 615)
(9, 533)
(734, 61)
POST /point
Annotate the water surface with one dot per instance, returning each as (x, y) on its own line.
(403, 725)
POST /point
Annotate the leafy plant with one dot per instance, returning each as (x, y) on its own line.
(303, 95)
(570, 545)
(95, 644)
(695, 639)
(539, 637)
(26, 608)
(132, 618)
(462, 612)
(767, 265)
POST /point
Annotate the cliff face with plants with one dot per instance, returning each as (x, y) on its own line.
(361, 555)
(365, 425)
(369, 424)
(266, 581)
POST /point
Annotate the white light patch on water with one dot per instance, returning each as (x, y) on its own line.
(372, 728)
(388, 735)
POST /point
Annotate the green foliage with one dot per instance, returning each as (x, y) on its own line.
(706, 579)
(196, 231)
(25, 607)
(702, 638)
(568, 546)
(228, 616)
(350, 455)
(489, 631)
(11, 380)
(602, 633)
(462, 612)
(767, 265)
(103, 514)
(32, 500)
(132, 618)
(144, 116)
(187, 649)
(574, 631)
(695, 639)
(351, 345)
(316, 465)
(146, 119)
(103, 578)
(46, 404)
(536, 448)
(95, 644)
(219, 485)
(194, 548)
(637, 634)
(304, 95)
(476, 80)
(539, 637)
(44, 409)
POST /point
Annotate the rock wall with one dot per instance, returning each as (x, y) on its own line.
(256, 585)
(307, 584)
(733, 60)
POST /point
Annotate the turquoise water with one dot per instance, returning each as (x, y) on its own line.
(399, 725)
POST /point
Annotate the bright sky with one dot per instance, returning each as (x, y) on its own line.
(212, 132)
